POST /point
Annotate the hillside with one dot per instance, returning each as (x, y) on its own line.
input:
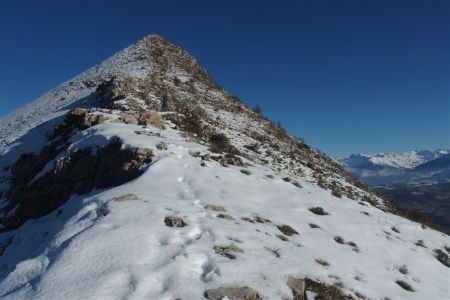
(142, 178)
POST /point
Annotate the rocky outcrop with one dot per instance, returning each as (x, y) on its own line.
(78, 173)
(77, 119)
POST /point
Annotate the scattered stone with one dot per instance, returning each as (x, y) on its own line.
(394, 229)
(173, 221)
(148, 133)
(405, 285)
(339, 240)
(151, 119)
(195, 154)
(318, 211)
(227, 250)
(312, 225)
(127, 197)
(203, 164)
(247, 219)
(282, 237)
(298, 287)
(420, 243)
(232, 293)
(246, 172)
(260, 219)
(287, 230)
(228, 159)
(225, 216)
(162, 146)
(322, 262)
(215, 207)
(128, 118)
(442, 257)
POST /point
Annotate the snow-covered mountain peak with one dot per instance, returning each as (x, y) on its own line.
(142, 178)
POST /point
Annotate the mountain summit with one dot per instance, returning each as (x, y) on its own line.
(142, 178)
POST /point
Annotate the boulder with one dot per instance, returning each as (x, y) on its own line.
(173, 221)
(232, 293)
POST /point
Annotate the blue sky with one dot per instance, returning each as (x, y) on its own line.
(347, 76)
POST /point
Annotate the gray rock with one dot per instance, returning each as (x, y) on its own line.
(227, 250)
(233, 293)
(127, 197)
(298, 287)
(225, 216)
(128, 119)
(173, 221)
(215, 207)
(162, 146)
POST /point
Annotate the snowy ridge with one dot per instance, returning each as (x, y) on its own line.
(131, 61)
(262, 208)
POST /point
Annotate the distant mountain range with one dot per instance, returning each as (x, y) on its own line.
(388, 168)
(414, 180)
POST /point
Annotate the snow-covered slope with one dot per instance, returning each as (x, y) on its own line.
(166, 187)
(72, 93)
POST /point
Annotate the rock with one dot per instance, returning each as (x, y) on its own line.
(173, 221)
(127, 197)
(215, 207)
(228, 159)
(282, 237)
(162, 146)
(79, 119)
(225, 216)
(78, 173)
(287, 230)
(298, 287)
(151, 119)
(227, 250)
(318, 211)
(148, 133)
(232, 293)
(128, 118)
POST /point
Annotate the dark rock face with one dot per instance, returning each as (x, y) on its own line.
(78, 173)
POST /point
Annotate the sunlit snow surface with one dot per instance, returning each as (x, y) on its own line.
(96, 248)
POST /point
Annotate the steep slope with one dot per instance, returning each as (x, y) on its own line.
(161, 185)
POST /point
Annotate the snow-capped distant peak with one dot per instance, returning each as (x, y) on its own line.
(401, 160)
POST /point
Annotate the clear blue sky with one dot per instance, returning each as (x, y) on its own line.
(347, 76)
